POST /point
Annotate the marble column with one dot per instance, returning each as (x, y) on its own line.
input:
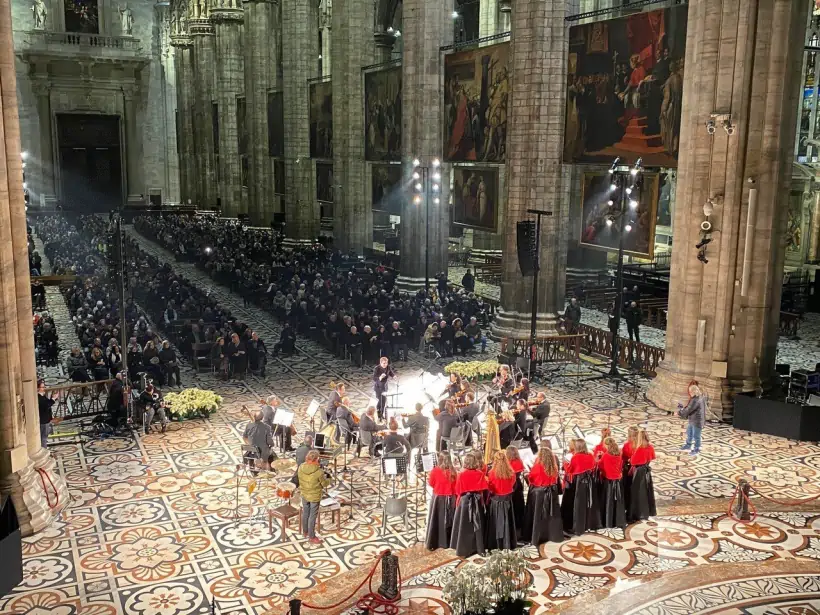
(43, 163)
(325, 25)
(228, 18)
(537, 178)
(352, 47)
(427, 25)
(202, 35)
(300, 54)
(133, 149)
(183, 63)
(165, 16)
(18, 405)
(743, 59)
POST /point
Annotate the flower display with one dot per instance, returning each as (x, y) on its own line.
(472, 369)
(191, 403)
(499, 585)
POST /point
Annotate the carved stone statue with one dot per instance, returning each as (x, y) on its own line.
(40, 12)
(127, 20)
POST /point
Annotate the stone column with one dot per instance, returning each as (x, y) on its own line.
(18, 404)
(260, 45)
(183, 63)
(170, 153)
(300, 55)
(352, 47)
(536, 176)
(44, 166)
(133, 148)
(228, 18)
(742, 58)
(202, 35)
(325, 19)
(487, 18)
(427, 25)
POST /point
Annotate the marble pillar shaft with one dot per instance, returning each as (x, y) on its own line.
(133, 149)
(427, 25)
(742, 57)
(44, 164)
(537, 178)
(230, 82)
(204, 96)
(183, 54)
(352, 47)
(301, 52)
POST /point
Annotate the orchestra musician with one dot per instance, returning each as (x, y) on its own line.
(539, 410)
(468, 416)
(542, 521)
(333, 401)
(394, 442)
(258, 434)
(502, 533)
(505, 384)
(442, 479)
(522, 420)
(154, 404)
(470, 520)
(382, 372)
(522, 391)
(446, 421)
(282, 434)
(454, 386)
(345, 422)
(419, 426)
(369, 430)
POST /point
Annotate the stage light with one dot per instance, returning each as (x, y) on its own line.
(416, 162)
(436, 201)
(418, 187)
(397, 33)
(435, 187)
(637, 168)
(610, 202)
(633, 203)
(436, 163)
(416, 175)
(628, 228)
(417, 199)
(455, 15)
(614, 165)
(629, 190)
(390, 29)
(320, 56)
(24, 165)
(609, 221)
(25, 186)
(613, 187)
(208, 250)
(23, 155)
(437, 176)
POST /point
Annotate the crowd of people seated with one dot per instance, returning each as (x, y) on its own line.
(352, 308)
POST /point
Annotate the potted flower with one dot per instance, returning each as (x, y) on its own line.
(473, 369)
(192, 403)
(498, 586)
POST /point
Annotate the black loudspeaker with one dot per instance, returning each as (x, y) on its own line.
(777, 418)
(525, 232)
(11, 546)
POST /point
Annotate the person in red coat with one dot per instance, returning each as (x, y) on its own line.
(600, 448)
(610, 469)
(470, 521)
(442, 479)
(501, 530)
(579, 509)
(517, 466)
(542, 520)
(626, 455)
(642, 490)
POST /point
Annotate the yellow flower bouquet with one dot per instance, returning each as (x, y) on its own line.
(191, 403)
(472, 369)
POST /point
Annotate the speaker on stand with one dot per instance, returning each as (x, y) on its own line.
(525, 235)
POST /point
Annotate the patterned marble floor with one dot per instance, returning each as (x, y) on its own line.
(153, 527)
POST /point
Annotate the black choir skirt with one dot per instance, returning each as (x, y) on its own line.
(501, 530)
(642, 494)
(469, 525)
(542, 521)
(626, 481)
(613, 506)
(440, 521)
(580, 512)
(519, 508)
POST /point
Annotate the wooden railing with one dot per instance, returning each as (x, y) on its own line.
(80, 399)
(599, 342)
(550, 349)
(789, 323)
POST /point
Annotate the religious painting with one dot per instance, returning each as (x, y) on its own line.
(625, 89)
(81, 16)
(476, 94)
(324, 182)
(639, 240)
(276, 124)
(794, 221)
(382, 115)
(279, 177)
(475, 197)
(388, 193)
(321, 120)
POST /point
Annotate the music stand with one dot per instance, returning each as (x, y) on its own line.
(312, 409)
(394, 506)
(282, 420)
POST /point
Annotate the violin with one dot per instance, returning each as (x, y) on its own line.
(519, 389)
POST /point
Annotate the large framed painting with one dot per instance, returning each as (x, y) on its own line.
(475, 197)
(321, 120)
(476, 94)
(595, 233)
(276, 124)
(382, 115)
(625, 89)
(324, 182)
(387, 191)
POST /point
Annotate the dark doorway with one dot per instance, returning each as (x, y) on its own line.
(90, 166)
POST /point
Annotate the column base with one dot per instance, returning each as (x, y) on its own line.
(517, 325)
(43, 460)
(670, 387)
(290, 242)
(135, 200)
(29, 499)
(411, 286)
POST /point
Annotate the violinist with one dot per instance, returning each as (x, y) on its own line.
(368, 431)
(395, 443)
(419, 426)
(522, 420)
(454, 386)
(346, 423)
(469, 412)
(281, 434)
(505, 384)
(446, 421)
(522, 391)
(333, 402)
(613, 510)
(579, 507)
(539, 410)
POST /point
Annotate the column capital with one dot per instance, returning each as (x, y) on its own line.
(227, 14)
(41, 87)
(505, 6)
(200, 27)
(181, 40)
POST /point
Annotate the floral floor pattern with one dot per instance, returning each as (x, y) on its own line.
(157, 525)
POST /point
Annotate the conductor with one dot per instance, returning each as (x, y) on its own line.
(381, 374)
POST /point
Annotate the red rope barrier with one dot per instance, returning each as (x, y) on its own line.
(752, 510)
(42, 474)
(784, 502)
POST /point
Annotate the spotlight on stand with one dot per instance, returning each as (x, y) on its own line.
(628, 228)
(703, 242)
(416, 175)
(614, 165)
(416, 162)
(436, 163)
(637, 168)
(633, 203)
(454, 15)
(609, 221)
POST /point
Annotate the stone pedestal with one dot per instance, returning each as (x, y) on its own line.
(202, 35)
(230, 83)
(427, 25)
(536, 175)
(743, 57)
(300, 63)
(183, 64)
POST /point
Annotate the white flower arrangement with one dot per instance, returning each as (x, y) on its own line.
(472, 369)
(499, 585)
(193, 402)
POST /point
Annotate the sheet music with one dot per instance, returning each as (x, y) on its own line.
(283, 418)
(527, 457)
(312, 409)
(428, 461)
(579, 433)
(390, 467)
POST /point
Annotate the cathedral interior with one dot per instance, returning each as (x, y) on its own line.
(618, 199)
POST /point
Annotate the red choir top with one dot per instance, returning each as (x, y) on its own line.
(501, 486)
(642, 455)
(611, 466)
(471, 480)
(599, 450)
(517, 465)
(539, 477)
(441, 482)
(626, 451)
(580, 463)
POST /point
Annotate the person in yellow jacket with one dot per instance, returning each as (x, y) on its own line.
(312, 480)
